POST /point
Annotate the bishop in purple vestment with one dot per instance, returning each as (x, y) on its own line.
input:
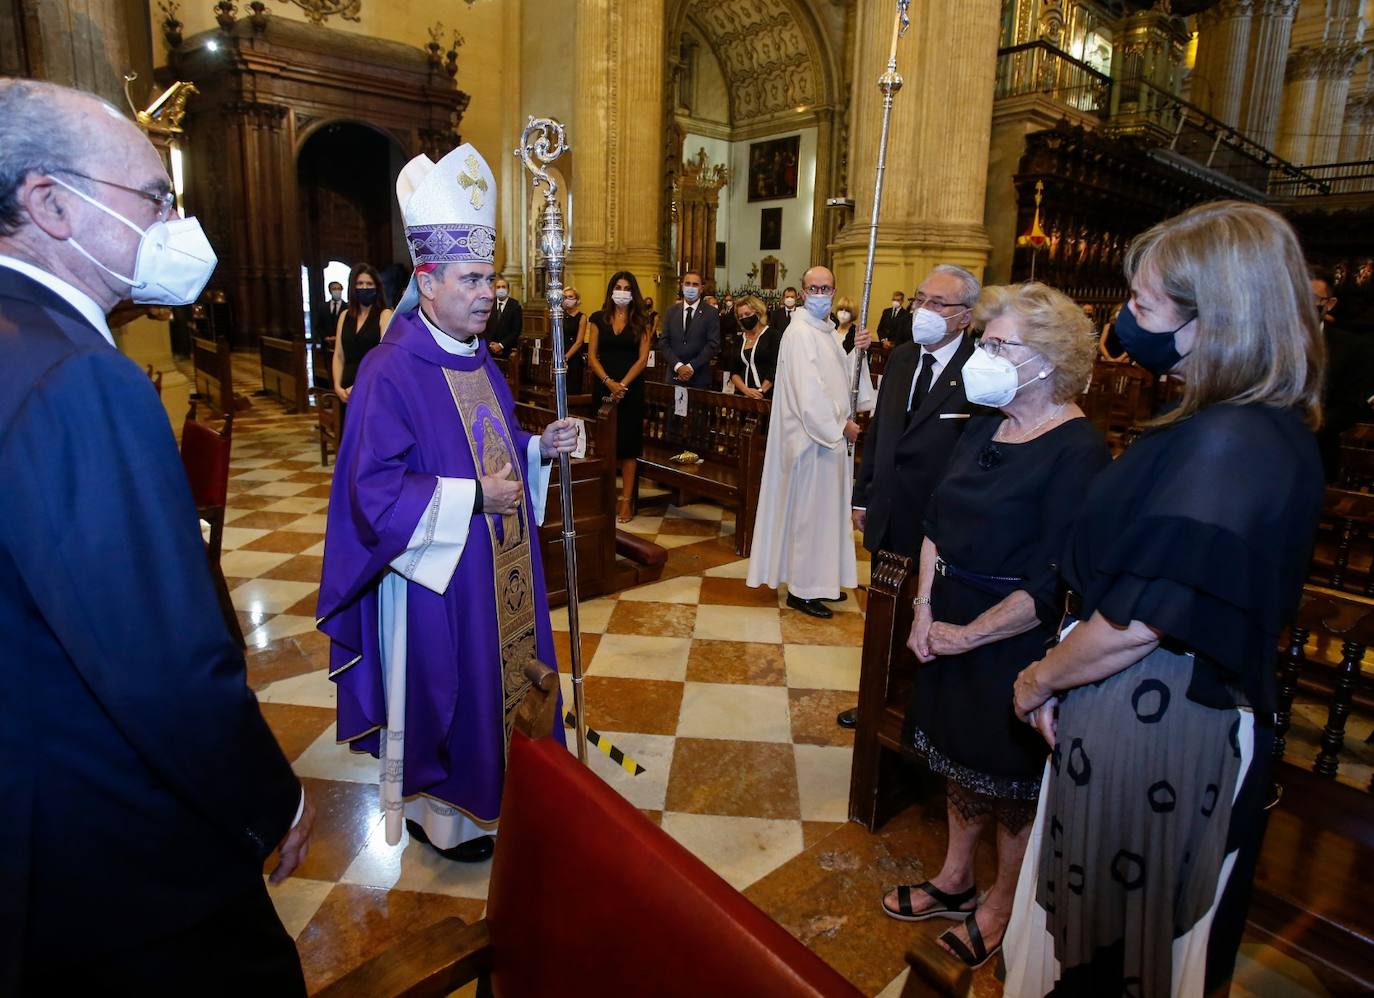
(433, 589)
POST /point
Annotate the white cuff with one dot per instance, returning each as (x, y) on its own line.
(537, 474)
(300, 810)
(677, 365)
(431, 557)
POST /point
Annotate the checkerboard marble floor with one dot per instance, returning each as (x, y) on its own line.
(725, 697)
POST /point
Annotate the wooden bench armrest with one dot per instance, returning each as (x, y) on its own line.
(430, 963)
(538, 710)
(933, 971)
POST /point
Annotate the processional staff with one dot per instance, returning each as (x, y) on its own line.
(889, 83)
(542, 142)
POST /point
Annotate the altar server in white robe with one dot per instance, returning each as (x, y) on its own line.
(803, 536)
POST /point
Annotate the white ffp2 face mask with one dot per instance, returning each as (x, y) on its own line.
(174, 261)
(992, 381)
(928, 327)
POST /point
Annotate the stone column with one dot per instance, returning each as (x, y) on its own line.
(1335, 66)
(1224, 51)
(1273, 27)
(1299, 105)
(617, 134)
(936, 171)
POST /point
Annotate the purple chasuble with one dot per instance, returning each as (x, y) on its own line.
(417, 413)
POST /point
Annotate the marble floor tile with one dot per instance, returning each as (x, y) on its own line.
(296, 900)
(307, 606)
(864, 572)
(671, 541)
(314, 491)
(639, 656)
(649, 789)
(738, 623)
(730, 570)
(298, 568)
(562, 645)
(813, 715)
(345, 814)
(645, 526)
(896, 987)
(841, 629)
(753, 663)
(745, 779)
(289, 541)
(317, 550)
(740, 850)
(705, 512)
(733, 592)
(326, 759)
(668, 620)
(269, 595)
(262, 519)
(282, 489)
(592, 616)
(815, 832)
(281, 659)
(355, 923)
(249, 564)
(693, 559)
(682, 590)
(236, 537)
(733, 711)
(646, 706)
(242, 503)
(310, 689)
(283, 625)
(822, 667)
(296, 727)
(823, 781)
(260, 475)
(676, 526)
(414, 866)
(315, 523)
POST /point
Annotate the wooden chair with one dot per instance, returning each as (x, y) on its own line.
(205, 455)
(589, 897)
(1344, 555)
(327, 410)
(1355, 467)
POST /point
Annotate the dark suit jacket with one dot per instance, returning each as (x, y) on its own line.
(1349, 384)
(780, 318)
(143, 789)
(902, 463)
(695, 346)
(323, 324)
(503, 326)
(895, 328)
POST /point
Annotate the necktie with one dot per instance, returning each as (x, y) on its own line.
(687, 318)
(923, 380)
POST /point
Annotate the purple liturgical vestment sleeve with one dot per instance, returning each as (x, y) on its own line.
(417, 414)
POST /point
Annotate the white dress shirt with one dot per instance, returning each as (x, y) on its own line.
(69, 293)
(942, 358)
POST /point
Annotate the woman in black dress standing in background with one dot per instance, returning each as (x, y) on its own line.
(618, 351)
(575, 335)
(989, 594)
(360, 329)
(756, 355)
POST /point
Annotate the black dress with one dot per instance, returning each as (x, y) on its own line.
(758, 364)
(1001, 510)
(1203, 530)
(356, 343)
(617, 354)
(577, 363)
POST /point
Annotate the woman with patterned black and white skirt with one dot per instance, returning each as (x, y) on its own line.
(1187, 558)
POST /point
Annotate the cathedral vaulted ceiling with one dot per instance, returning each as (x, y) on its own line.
(768, 55)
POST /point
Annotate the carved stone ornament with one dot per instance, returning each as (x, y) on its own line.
(316, 11)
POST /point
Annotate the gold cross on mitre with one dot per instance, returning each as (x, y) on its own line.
(473, 178)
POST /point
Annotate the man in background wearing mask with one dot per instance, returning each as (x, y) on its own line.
(894, 328)
(802, 535)
(920, 413)
(780, 317)
(504, 322)
(143, 788)
(691, 337)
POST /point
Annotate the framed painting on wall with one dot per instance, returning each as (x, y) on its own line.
(770, 229)
(773, 168)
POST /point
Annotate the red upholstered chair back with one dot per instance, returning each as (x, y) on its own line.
(589, 897)
(205, 453)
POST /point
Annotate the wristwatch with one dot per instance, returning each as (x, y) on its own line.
(920, 601)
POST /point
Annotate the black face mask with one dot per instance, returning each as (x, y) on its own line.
(1156, 352)
(365, 296)
(749, 321)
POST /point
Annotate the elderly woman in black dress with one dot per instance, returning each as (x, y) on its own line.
(989, 594)
(1187, 558)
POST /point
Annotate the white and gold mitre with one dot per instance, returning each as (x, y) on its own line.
(449, 211)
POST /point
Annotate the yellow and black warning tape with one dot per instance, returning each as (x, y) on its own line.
(603, 743)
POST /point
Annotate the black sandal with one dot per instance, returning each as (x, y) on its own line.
(978, 955)
(951, 902)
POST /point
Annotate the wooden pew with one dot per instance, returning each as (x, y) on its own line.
(594, 494)
(1344, 554)
(728, 432)
(214, 376)
(536, 376)
(283, 370)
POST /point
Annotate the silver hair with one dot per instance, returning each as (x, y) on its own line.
(972, 286)
(35, 137)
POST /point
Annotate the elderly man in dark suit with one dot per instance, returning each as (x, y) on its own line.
(691, 337)
(143, 788)
(504, 321)
(921, 411)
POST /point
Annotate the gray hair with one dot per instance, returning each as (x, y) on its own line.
(972, 286)
(35, 137)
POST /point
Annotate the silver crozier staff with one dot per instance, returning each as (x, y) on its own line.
(541, 143)
(889, 83)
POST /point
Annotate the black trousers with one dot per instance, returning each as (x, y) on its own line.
(241, 950)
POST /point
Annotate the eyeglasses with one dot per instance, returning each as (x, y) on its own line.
(934, 304)
(996, 347)
(819, 289)
(165, 201)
